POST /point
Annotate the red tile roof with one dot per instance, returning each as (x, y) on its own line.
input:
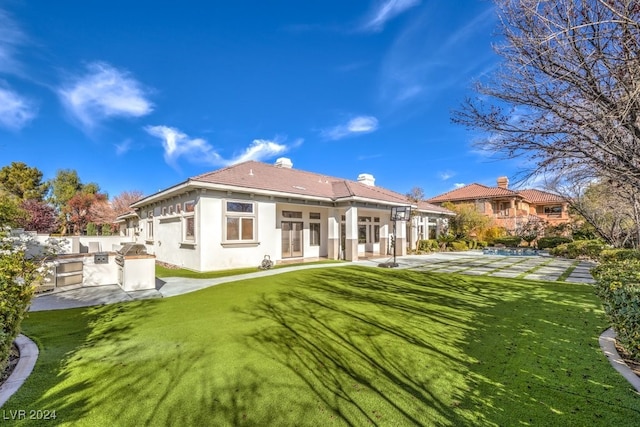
(539, 196)
(473, 191)
(258, 176)
(478, 191)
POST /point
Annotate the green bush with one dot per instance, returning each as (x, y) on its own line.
(552, 242)
(459, 245)
(18, 276)
(618, 286)
(579, 249)
(92, 229)
(609, 255)
(510, 242)
(482, 244)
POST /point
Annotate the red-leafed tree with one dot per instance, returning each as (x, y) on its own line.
(78, 210)
(40, 216)
(122, 202)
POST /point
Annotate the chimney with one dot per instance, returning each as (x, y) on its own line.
(284, 162)
(367, 179)
(503, 182)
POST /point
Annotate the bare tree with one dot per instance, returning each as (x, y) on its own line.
(122, 202)
(611, 208)
(567, 93)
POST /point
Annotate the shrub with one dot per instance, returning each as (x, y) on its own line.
(92, 229)
(510, 242)
(459, 245)
(609, 255)
(618, 286)
(552, 242)
(579, 249)
(482, 244)
(20, 273)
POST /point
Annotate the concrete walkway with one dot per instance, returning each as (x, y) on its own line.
(471, 263)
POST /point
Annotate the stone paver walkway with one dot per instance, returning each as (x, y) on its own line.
(477, 264)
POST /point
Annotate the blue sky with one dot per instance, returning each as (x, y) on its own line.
(141, 95)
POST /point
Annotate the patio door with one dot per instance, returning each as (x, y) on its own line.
(291, 239)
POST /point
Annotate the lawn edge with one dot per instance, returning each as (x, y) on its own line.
(607, 344)
(28, 356)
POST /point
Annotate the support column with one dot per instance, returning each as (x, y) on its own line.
(351, 241)
(401, 238)
(333, 234)
(384, 239)
(414, 224)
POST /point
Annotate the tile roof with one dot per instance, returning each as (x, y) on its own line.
(539, 196)
(262, 176)
(473, 191)
(478, 191)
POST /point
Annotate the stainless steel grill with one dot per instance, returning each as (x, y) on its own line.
(132, 249)
(129, 249)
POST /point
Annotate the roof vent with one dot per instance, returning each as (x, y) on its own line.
(503, 182)
(367, 179)
(283, 162)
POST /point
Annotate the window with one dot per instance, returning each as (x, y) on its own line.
(314, 215)
(368, 232)
(189, 222)
(291, 214)
(552, 210)
(362, 234)
(240, 221)
(164, 211)
(171, 210)
(314, 234)
(178, 208)
(150, 225)
(190, 228)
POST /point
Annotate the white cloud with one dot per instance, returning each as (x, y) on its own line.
(102, 93)
(357, 125)
(459, 184)
(446, 175)
(15, 110)
(384, 11)
(11, 37)
(177, 144)
(123, 147)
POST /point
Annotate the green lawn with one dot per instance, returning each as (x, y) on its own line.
(162, 271)
(335, 346)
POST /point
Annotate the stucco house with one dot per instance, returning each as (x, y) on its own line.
(509, 207)
(233, 217)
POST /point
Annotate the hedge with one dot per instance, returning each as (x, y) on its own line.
(552, 242)
(579, 249)
(459, 245)
(609, 255)
(510, 242)
(618, 286)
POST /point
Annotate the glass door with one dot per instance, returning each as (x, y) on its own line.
(291, 239)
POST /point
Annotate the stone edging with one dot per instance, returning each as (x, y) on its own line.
(607, 344)
(28, 356)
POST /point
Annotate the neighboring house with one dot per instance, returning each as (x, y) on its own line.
(235, 216)
(509, 208)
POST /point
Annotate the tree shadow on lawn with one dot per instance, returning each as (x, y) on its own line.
(107, 372)
(104, 331)
(431, 349)
(371, 350)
